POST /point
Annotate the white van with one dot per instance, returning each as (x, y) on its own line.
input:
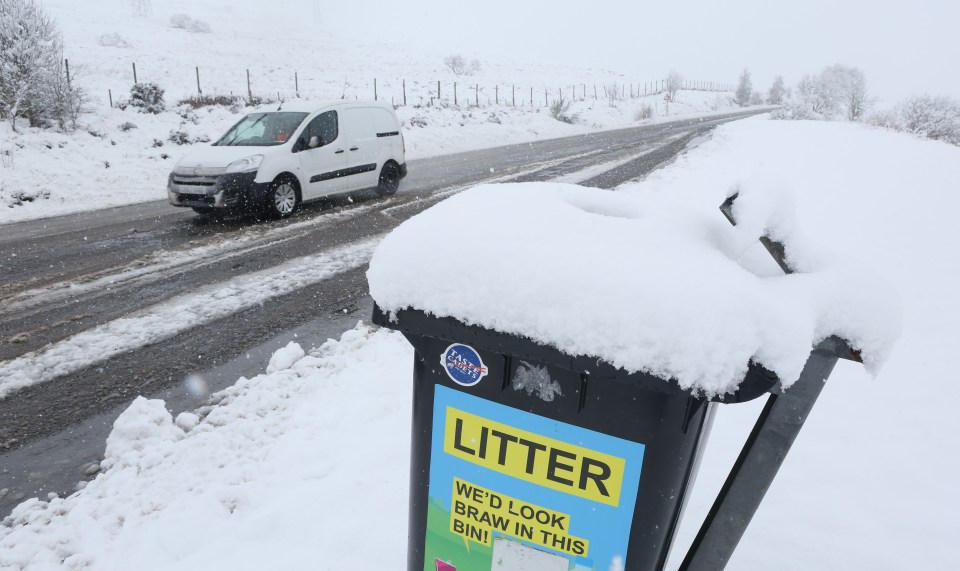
(273, 160)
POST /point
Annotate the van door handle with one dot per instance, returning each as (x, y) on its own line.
(337, 152)
(354, 148)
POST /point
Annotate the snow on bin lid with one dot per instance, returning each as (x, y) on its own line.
(640, 280)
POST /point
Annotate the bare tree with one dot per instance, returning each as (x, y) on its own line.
(612, 92)
(777, 91)
(33, 77)
(141, 7)
(837, 92)
(855, 94)
(29, 45)
(744, 89)
(673, 83)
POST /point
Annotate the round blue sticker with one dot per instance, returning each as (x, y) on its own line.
(463, 365)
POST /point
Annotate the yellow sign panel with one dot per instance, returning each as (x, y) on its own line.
(533, 458)
(478, 512)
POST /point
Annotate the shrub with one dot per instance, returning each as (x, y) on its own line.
(459, 66)
(228, 101)
(181, 21)
(199, 27)
(184, 22)
(559, 110)
(147, 98)
(645, 112)
(934, 117)
(113, 41)
(182, 138)
(127, 126)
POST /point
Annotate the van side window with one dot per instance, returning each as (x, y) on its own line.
(323, 126)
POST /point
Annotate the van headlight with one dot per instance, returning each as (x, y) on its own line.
(247, 164)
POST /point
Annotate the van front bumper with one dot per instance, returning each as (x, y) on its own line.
(209, 190)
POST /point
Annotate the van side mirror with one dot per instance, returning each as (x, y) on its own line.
(314, 142)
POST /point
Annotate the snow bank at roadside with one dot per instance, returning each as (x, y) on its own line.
(269, 477)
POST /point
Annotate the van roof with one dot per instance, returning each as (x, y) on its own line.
(309, 106)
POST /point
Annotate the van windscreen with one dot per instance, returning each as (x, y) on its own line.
(262, 129)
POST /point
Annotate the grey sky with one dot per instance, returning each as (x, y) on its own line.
(903, 47)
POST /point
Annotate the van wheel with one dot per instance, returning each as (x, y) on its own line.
(283, 198)
(389, 179)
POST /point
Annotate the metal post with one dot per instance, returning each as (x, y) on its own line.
(758, 463)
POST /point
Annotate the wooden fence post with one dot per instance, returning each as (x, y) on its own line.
(66, 64)
(249, 91)
(110, 95)
(438, 92)
(135, 72)
(374, 88)
(296, 85)
(476, 95)
(199, 91)
(455, 104)
(404, 92)
(496, 94)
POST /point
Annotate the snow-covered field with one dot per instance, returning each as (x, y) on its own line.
(120, 157)
(296, 467)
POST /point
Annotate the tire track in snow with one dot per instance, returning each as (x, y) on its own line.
(164, 320)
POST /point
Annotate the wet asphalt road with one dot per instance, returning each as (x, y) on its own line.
(66, 275)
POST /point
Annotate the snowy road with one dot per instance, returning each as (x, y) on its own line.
(98, 308)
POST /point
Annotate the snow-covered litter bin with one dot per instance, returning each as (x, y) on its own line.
(571, 346)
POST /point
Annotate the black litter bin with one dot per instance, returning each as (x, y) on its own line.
(525, 458)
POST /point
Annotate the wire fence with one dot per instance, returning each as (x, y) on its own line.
(254, 87)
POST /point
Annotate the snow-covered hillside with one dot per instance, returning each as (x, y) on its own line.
(297, 463)
(121, 156)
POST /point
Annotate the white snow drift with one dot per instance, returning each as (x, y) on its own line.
(307, 467)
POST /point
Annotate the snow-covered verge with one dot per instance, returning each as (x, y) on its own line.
(303, 466)
(118, 157)
(287, 470)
